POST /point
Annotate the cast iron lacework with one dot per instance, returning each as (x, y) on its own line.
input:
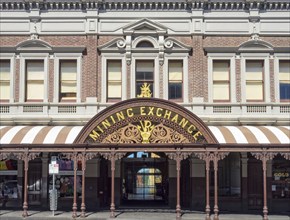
(146, 132)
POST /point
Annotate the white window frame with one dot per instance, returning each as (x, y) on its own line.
(232, 75)
(266, 89)
(185, 83)
(149, 56)
(11, 58)
(105, 58)
(58, 57)
(23, 59)
(277, 58)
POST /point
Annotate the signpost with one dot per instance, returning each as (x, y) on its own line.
(53, 169)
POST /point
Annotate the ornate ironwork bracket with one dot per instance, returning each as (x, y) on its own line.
(178, 156)
(286, 155)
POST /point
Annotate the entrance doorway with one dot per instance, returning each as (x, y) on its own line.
(144, 179)
(34, 182)
(255, 184)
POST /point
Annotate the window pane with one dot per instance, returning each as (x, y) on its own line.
(284, 91)
(35, 70)
(4, 90)
(114, 90)
(68, 79)
(114, 81)
(221, 70)
(144, 74)
(254, 80)
(254, 91)
(284, 78)
(145, 66)
(221, 80)
(34, 80)
(175, 91)
(68, 86)
(221, 91)
(35, 90)
(144, 44)
(114, 70)
(175, 70)
(4, 79)
(254, 70)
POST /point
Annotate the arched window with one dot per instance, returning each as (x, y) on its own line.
(144, 44)
(142, 154)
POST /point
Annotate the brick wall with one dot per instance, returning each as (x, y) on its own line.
(91, 61)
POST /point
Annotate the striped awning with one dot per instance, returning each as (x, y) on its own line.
(38, 134)
(251, 134)
(67, 134)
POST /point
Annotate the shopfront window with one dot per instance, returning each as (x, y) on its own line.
(229, 176)
(64, 181)
(281, 178)
(9, 190)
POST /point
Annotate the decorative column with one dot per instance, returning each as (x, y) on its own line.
(215, 157)
(178, 157)
(112, 156)
(206, 158)
(26, 157)
(84, 157)
(74, 157)
(264, 157)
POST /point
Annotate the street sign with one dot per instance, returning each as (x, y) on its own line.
(53, 168)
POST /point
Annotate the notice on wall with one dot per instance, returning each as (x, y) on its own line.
(273, 187)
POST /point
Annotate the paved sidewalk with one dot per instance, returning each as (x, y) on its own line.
(132, 215)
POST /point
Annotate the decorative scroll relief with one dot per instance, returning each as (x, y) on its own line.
(145, 132)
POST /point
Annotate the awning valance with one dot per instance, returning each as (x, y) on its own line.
(38, 134)
(251, 134)
(67, 134)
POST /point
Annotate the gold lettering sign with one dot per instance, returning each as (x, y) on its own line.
(146, 127)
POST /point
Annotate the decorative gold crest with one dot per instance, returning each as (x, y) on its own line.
(145, 129)
(145, 91)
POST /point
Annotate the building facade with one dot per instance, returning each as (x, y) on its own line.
(179, 103)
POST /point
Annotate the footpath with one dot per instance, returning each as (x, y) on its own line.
(128, 214)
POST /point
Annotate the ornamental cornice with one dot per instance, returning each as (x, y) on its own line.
(145, 5)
